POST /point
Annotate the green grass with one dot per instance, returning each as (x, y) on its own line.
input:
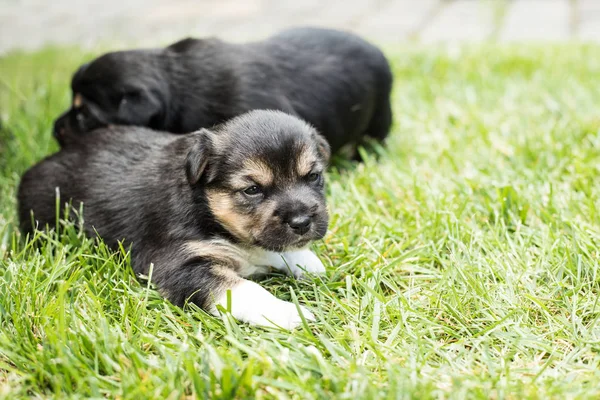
(462, 264)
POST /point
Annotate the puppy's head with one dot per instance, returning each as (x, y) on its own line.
(125, 87)
(262, 174)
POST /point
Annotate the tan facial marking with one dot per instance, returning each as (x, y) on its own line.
(223, 208)
(264, 217)
(77, 100)
(305, 161)
(257, 170)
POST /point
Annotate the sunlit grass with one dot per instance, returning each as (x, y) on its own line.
(463, 263)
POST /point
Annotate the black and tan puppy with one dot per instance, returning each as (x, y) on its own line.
(206, 209)
(336, 81)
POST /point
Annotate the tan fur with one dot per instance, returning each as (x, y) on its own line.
(227, 260)
(230, 261)
(229, 279)
(265, 217)
(242, 226)
(305, 161)
(221, 251)
(256, 170)
(77, 100)
(223, 208)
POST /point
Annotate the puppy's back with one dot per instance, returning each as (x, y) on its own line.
(96, 170)
(330, 41)
(336, 71)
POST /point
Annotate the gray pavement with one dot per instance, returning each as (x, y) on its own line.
(30, 24)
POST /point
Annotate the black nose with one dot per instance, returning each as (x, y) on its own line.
(300, 224)
(59, 127)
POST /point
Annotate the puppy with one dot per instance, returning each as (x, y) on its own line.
(336, 81)
(206, 209)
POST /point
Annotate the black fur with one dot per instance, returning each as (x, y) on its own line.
(150, 189)
(334, 80)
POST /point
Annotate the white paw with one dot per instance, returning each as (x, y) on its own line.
(253, 304)
(284, 315)
(303, 261)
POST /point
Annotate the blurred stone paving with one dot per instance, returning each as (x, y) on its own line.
(30, 24)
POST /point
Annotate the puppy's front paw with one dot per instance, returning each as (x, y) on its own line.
(303, 261)
(251, 303)
(285, 315)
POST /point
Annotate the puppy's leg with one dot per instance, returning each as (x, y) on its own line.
(208, 274)
(295, 263)
(380, 124)
(378, 128)
(251, 303)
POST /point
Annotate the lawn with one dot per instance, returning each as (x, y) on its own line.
(463, 263)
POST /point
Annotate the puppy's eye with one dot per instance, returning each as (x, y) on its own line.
(313, 177)
(253, 190)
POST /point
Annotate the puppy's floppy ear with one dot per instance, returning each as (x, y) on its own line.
(323, 147)
(79, 73)
(184, 45)
(142, 107)
(198, 156)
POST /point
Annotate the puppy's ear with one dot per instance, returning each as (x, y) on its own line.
(198, 156)
(79, 73)
(142, 107)
(184, 45)
(323, 147)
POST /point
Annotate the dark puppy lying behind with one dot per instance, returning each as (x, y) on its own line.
(207, 209)
(336, 81)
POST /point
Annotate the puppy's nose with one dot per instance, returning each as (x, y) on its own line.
(59, 129)
(60, 126)
(300, 224)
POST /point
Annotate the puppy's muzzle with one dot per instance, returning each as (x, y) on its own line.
(300, 218)
(60, 126)
(63, 129)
